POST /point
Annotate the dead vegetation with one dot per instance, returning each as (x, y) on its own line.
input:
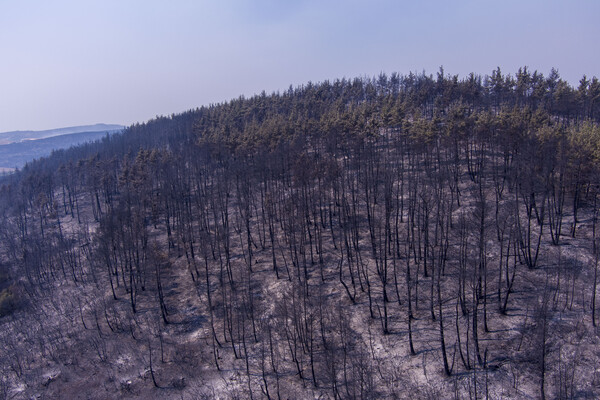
(423, 260)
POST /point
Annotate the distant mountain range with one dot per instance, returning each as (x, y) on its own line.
(19, 147)
(19, 136)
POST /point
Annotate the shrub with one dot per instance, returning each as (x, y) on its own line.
(8, 301)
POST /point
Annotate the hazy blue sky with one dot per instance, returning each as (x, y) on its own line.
(65, 63)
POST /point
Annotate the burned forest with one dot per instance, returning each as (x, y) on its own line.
(402, 236)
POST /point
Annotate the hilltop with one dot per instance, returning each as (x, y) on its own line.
(389, 237)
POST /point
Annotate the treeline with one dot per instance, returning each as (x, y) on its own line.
(350, 105)
(419, 202)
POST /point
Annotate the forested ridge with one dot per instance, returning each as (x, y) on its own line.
(402, 236)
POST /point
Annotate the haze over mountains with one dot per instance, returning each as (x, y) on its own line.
(19, 136)
(19, 147)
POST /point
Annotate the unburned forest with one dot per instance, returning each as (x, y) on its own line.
(402, 236)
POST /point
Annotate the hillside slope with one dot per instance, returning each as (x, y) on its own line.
(396, 237)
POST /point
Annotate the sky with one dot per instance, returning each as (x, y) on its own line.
(78, 62)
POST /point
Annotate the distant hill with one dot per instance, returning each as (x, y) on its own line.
(19, 136)
(17, 154)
